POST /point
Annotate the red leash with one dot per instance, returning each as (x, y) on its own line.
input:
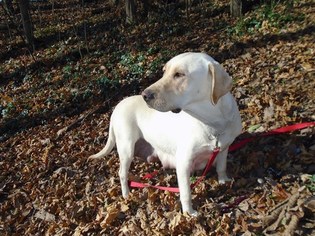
(233, 147)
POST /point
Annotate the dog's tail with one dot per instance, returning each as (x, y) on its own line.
(110, 144)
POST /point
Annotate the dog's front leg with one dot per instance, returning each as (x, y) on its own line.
(183, 167)
(221, 166)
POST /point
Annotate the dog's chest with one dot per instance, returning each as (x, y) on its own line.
(195, 148)
(178, 138)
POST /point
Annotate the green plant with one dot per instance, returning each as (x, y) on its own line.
(134, 65)
(245, 25)
(311, 184)
(104, 81)
(24, 113)
(87, 93)
(156, 64)
(67, 70)
(153, 50)
(193, 179)
(8, 110)
(105, 84)
(271, 14)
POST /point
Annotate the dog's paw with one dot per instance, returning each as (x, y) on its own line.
(125, 192)
(190, 212)
(193, 213)
(223, 179)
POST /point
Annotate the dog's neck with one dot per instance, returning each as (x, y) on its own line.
(209, 114)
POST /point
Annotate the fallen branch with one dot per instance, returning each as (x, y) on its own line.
(292, 226)
(76, 122)
(83, 117)
(274, 215)
(271, 222)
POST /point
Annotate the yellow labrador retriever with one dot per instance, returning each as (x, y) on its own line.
(180, 119)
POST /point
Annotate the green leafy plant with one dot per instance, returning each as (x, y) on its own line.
(133, 64)
(87, 93)
(67, 71)
(193, 179)
(8, 110)
(311, 184)
(105, 84)
(270, 15)
(156, 64)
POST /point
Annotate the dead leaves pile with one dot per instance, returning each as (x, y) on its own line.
(270, 86)
(47, 187)
(51, 189)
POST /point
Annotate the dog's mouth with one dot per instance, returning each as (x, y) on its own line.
(177, 110)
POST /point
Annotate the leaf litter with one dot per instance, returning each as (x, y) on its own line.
(54, 116)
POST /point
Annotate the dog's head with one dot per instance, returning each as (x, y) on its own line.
(188, 78)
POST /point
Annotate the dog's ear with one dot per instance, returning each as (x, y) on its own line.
(221, 82)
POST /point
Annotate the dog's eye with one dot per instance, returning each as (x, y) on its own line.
(178, 75)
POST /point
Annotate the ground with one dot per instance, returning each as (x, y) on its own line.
(56, 103)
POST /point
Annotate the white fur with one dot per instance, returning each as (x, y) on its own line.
(199, 86)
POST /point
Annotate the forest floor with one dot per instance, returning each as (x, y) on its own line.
(55, 106)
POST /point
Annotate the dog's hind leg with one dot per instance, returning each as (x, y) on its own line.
(126, 152)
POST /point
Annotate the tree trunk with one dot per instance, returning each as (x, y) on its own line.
(130, 11)
(8, 6)
(114, 2)
(145, 8)
(27, 23)
(236, 8)
(188, 4)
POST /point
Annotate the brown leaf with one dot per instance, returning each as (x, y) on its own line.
(44, 215)
(309, 204)
(112, 212)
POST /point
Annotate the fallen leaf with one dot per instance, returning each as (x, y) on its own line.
(44, 215)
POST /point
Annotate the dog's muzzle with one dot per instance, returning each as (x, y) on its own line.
(148, 95)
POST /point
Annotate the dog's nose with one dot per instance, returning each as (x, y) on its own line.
(147, 95)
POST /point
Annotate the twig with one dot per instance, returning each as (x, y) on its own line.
(79, 120)
(293, 199)
(272, 214)
(292, 226)
(279, 218)
(83, 117)
(279, 212)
